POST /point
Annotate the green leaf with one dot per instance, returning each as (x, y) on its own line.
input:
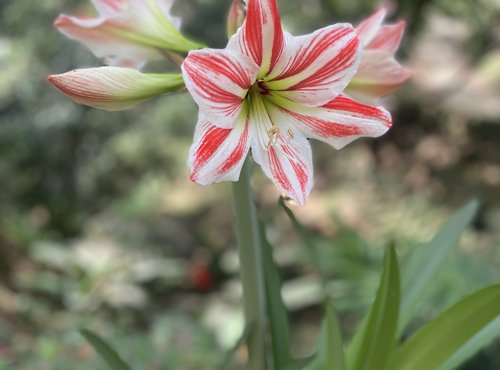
(427, 260)
(356, 343)
(474, 345)
(379, 332)
(300, 364)
(278, 317)
(104, 350)
(440, 339)
(330, 352)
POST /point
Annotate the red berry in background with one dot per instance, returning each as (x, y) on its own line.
(201, 277)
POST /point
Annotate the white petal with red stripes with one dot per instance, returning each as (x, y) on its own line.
(268, 92)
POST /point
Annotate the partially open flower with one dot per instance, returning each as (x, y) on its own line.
(128, 33)
(114, 88)
(379, 73)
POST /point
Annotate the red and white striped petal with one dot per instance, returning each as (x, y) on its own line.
(315, 68)
(338, 122)
(376, 36)
(388, 38)
(370, 27)
(110, 7)
(261, 37)
(113, 88)
(218, 154)
(235, 17)
(218, 81)
(99, 35)
(284, 154)
(379, 74)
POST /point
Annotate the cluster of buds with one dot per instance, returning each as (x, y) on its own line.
(266, 93)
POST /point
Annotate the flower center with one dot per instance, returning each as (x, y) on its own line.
(263, 89)
(259, 96)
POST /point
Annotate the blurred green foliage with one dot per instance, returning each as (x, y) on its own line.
(100, 227)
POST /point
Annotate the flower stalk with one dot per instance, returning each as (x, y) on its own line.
(252, 269)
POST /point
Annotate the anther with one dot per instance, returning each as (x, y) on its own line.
(273, 133)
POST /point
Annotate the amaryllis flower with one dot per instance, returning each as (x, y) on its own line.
(379, 73)
(127, 33)
(268, 92)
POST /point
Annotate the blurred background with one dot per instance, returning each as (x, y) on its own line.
(101, 228)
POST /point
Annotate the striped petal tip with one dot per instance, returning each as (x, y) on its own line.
(235, 17)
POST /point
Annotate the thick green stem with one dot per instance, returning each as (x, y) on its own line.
(252, 269)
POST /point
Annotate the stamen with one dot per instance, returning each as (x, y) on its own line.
(291, 135)
(273, 134)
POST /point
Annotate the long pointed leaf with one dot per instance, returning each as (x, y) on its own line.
(379, 333)
(474, 345)
(300, 364)
(427, 260)
(330, 352)
(440, 339)
(278, 317)
(354, 348)
(108, 354)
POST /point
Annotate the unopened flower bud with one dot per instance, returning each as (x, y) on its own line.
(114, 88)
